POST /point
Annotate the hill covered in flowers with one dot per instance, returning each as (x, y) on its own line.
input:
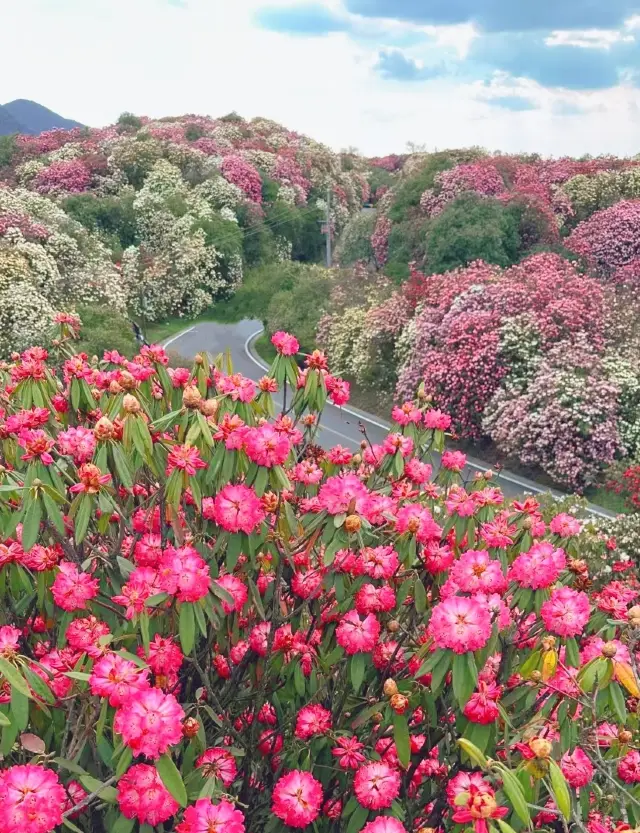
(508, 287)
(157, 218)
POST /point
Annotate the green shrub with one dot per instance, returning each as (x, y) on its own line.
(104, 329)
(355, 242)
(473, 228)
(128, 122)
(193, 132)
(299, 309)
(114, 216)
(8, 149)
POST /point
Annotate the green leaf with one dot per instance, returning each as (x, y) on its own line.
(172, 779)
(572, 653)
(358, 819)
(38, 686)
(473, 752)
(20, 708)
(71, 826)
(504, 827)
(298, 680)
(357, 667)
(123, 825)
(616, 698)
(4, 720)
(31, 525)
(122, 466)
(82, 517)
(465, 677)
(513, 791)
(187, 627)
(92, 785)
(560, 789)
(401, 739)
(11, 673)
(63, 763)
(255, 597)
(420, 595)
(439, 672)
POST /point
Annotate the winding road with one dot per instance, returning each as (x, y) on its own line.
(339, 426)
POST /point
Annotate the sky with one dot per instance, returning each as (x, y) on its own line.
(553, 76)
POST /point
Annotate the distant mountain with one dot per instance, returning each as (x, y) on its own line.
(8, 124)
(24, 116)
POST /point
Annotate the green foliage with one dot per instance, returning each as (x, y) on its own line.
(8, 149)
(258, 245)
(301, 227)
(407, 242)
(128, 122)
(114, 216)
(473, 228)
(105, 329)
(270, 188)
(299, 309)
(355, 243)
(414, 185)
(193, 132)
(379, 178)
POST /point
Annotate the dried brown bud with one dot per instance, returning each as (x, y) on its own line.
(393, 626)
(625, 736)
(104, 429)
(609, 650)
(191, 397)
(528, 523)
(209, 407)
(269, 501)
(540, 747)
(114, 388)
(199, 360)
(131, 404)
(390, 688)
(633, 615)
(356, 459)
(127, 381)
(352, 523)
(548, 643)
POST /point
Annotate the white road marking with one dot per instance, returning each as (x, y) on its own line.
(176, 337)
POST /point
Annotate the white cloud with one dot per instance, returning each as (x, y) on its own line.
(588, 38)
(92, 59)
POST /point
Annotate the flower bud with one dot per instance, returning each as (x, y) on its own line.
(528, 523)
(191, 397)
(104, 429)
(390, 687)
(633, 615)
(540, 747)
(625, 736)
(609, 650)
(393, 626)
(352, 523)
(199, 360)
(131, 404)
(548, 643)
(356, 459)
(535, 676)
(399, 703)
(114, 388)
(190, 727)
(209, 407)
(127, 381)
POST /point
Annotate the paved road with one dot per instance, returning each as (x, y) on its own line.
(339, 426)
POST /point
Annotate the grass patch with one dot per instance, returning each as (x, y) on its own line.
(264, 348)
(607, 499)
(224, 313)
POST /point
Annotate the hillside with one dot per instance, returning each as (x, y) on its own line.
(31, 118)
(8, 124)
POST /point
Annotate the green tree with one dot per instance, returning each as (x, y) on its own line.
(128, 123)
(299, 309)
(104, 329)
(113, 216)
(473, 228)
(8, 149)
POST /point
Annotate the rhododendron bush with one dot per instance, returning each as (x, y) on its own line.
(210, 623)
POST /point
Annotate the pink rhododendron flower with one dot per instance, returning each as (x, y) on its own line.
(577, 768)
(265, 446)
(184, 574)
(118, 679)
(384, 824)
(376, 785)
(312, 720)
(143, 796)
(297, 798)
(482, 705)
(285, 343)
(565, 525)
(219, 763)
(356, 634)
(460, 624)
(475, 571)
(236, 588)
(629, 767)
(539, 567)
(206, 817)
(238, 509)
(31, 799)
(347, 751)
(72, 589)
(78, 443)
(566, 612)
(185, 458)
(337, 494)
(150, 722)
(454, 460)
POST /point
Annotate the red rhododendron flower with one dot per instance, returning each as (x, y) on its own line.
(150, 722)
(238, 509)
(285, 343)
(356, 634)
(577, 768)
(72, 589)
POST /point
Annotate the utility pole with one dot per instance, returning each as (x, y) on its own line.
(328, 227)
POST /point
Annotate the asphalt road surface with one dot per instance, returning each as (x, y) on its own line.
(339, 426)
